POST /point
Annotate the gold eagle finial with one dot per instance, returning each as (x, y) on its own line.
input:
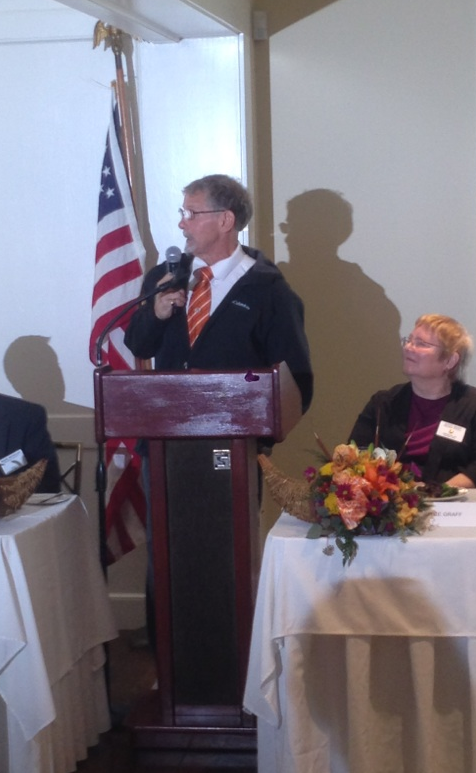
(111, 36)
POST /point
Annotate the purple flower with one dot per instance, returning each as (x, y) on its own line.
(374, 507)
(411, 499)
(344, 491)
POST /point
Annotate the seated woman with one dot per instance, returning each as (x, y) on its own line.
(430, 420)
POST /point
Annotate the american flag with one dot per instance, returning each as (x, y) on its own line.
(120, 257)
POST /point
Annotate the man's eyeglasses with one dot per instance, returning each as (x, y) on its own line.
(418, 343)
(189, 214)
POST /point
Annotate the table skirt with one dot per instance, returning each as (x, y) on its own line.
(372, 704)
(82, 713)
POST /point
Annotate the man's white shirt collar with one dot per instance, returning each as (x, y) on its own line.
(226, 273)
(223, 268)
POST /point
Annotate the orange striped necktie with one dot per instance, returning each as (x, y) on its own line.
(200, 303)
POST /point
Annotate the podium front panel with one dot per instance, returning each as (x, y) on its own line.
(202, 584)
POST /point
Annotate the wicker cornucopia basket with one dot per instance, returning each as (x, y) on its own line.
(291, 494)
(15, 489)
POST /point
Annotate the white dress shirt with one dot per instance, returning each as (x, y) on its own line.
(225, 273)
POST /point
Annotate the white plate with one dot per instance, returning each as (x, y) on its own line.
(47, 499)
(460, 495)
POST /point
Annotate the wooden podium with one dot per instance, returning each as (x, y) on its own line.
(202, 429)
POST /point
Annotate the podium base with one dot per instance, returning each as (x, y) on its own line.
(196, 730)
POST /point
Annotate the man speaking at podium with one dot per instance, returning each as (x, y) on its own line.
(223, 307)
(246, 315)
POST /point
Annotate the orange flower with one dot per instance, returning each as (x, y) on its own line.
(377, 475)
(352, 511)
(344, 456)
(354, 508)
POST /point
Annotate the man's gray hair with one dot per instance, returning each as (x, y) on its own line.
(224, 192)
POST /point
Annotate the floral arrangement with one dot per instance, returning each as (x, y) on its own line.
(363, 492)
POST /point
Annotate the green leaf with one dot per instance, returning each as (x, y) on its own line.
(322, 511)
(348, 546)
(315, 531)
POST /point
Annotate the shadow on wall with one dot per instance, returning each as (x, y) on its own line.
(353, 328)
(32, 368)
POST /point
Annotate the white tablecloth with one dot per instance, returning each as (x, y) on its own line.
(54, 617)
(368, 668)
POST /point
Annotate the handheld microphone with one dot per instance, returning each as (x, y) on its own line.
(180, 278)
(173, 257)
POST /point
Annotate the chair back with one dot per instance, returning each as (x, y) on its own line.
(70, 475)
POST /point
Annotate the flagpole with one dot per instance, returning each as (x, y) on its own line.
(127, 134)
(114, 38)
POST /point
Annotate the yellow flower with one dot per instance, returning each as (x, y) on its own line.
(406, 514)
(331, 503)
(327, 469)
(396, 468)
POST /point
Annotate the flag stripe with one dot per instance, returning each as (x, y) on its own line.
(122, 357)
(117, 277)
(125, 254)
(113, 240)
(112, 300)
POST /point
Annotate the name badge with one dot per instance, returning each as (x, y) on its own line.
(451, 431)
(13, 462)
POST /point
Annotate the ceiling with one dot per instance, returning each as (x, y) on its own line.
(156, 21)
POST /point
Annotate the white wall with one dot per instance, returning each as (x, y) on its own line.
(56, 101)
(374, 99)
(191, 118)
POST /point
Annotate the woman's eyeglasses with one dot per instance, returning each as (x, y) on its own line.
(418, 343)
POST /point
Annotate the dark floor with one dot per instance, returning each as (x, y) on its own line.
(131, 674)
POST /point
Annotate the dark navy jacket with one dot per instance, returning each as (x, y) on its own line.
(23, 425)
(259, 323)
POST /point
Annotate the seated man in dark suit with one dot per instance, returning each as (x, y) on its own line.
(23, 427)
